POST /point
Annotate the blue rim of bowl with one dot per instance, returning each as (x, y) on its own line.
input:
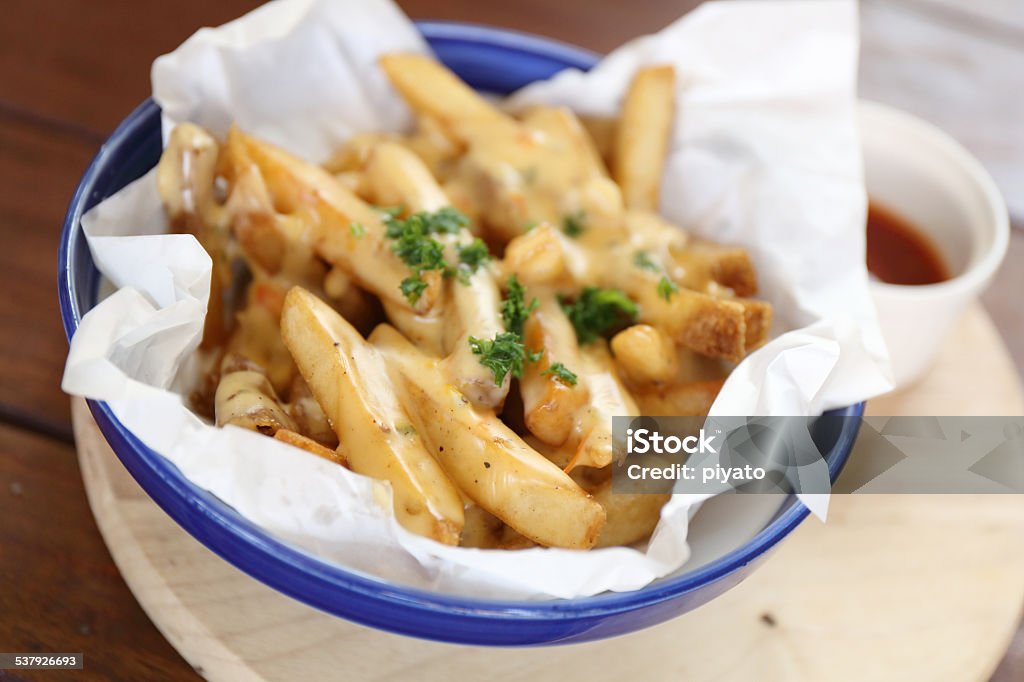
(268, 559)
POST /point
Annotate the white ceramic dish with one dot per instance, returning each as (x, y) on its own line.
(925, 176)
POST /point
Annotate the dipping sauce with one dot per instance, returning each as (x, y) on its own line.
(898, 253)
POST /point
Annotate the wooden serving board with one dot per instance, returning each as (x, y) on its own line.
(893, 587)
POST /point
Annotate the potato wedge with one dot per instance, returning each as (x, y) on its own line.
(709, 325)
(246, 398)
(486, 459)
(550, 404)
(397, 177)
(471, 307)
(608, 398)
(365, 253)
(643, 135)
(701, 262)
(645, 354)
(433, 90)
(537, 257)
(349, 380)
(757, 317)
(563, 125)
(185, 178)
(256, 334)
(631, 517)
(602, 131)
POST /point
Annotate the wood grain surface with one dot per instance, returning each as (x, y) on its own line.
(70, 70)
(59, 590)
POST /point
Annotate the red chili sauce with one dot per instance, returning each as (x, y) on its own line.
(898, 253)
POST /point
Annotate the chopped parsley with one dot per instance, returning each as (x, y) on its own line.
(514, 310)
(413, 287)
(447, 220)
(598, 311)
(573, 224)
(415, 245)
(562, 373)
(474, 254)
(666, 287)
(506, 353)
(420, 252)
(358, 230)
(644, 262)
(503, 355)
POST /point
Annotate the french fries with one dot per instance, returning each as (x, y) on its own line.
(246, 398)
(436, 92)
(631, 517)
(471, 310)
(550, 402)
(645, 354)
(361, 251)
(185, 180)
(480, 252)
(608, 398)
(642, 136)
(348, 379)
(486, 459)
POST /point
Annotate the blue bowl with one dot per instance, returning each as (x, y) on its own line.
(488, 59)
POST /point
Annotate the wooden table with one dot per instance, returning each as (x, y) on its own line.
(71, 69)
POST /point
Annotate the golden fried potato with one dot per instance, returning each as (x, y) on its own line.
(487, 460)
(643, 135)
(631, 517)
(433, 90)
(246, 398)
(645, 355)
(349, 379)
(348, 233)
(551, 403)
(185, 181)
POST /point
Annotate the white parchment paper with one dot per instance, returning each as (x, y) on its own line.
(765, 154)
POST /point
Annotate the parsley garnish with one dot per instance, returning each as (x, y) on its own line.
(573, 224)
(597, 311)
(412, 288)
(514, 310)
(420, 252)
(357, 230)
(503, 355)
(666, 287)
(447, 220)
(415, 245)
(474, 254)
(507, 353)
(562, 373)
(644, 262)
